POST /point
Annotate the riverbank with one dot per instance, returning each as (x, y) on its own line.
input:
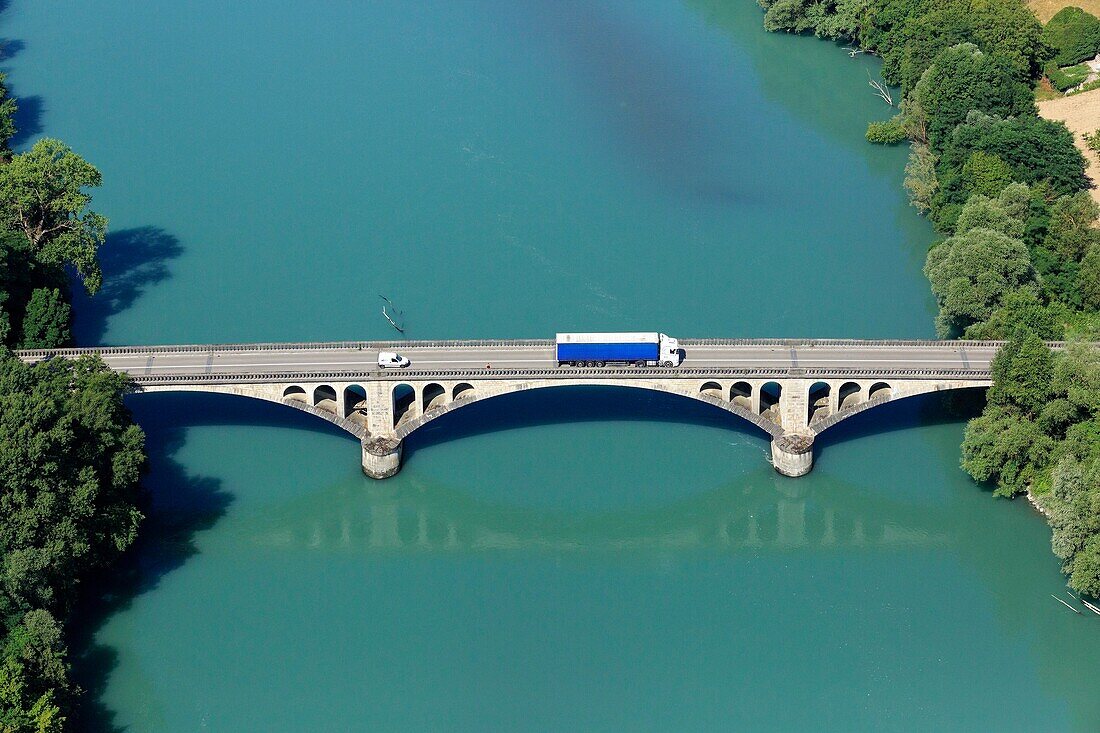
(1005, 185)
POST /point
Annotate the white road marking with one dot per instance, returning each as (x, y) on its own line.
(855, 363)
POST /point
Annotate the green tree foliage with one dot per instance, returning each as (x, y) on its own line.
(1074, 508)
(1010, 31)
(887, 132)
(1022, 309)
(927, 35)
(909, 33)
(1005, 443)
(972, 273)
(46, 321)
(1001, 446)
(1088, 279)
(42, 197)
(1035, 149)
(834, 19)
(8, 108)
(1023, 374)
(982, 212)
(985, 173)
(70, 459)
(920, 177)
(962, 79)
(1073, 35)
(21, 710)
(1070, 231)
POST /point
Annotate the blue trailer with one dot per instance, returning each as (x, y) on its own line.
(601, 349)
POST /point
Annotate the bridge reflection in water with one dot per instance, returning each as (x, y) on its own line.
(756, 513)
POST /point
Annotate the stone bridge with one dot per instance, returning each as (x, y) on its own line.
(788, 388)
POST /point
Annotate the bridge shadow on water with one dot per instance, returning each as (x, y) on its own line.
(956, 406)
(573, 405)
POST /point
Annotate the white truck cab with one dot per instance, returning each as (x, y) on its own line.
(392, 360)
(670, 351)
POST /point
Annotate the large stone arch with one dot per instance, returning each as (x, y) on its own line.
(270, 393)
(897, 390)
(487, 390)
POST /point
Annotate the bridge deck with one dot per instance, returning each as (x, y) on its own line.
(164, 365)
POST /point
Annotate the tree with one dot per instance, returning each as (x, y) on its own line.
(7, 115)
(1074, 512)
(962, 79)
(20, 710)
(70, 459)
(927, 35)
(920, 177)
(1023, 374)
(1000, 446)
(971, 273)
(1088, 278)
(42, 196)
(1008, 29)
(1022, 309)
(1036, 149)
(46, 322)
(982, 212)
(1071, 231)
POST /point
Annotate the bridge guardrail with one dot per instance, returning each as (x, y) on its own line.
(482, 344)
(779, 373)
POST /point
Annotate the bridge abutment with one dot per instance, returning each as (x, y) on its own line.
(793, 454)
(381, 457)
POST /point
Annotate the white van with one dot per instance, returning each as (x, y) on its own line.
(392, 360)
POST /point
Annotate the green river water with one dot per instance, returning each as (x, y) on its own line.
(574, 559)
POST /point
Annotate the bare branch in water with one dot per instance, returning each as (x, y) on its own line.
(881, 90)
(400, 314)
(387, 317)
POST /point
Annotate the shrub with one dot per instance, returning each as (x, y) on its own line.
(1074, 35)
(1065, 79)
(887, 132)
(1093, 141)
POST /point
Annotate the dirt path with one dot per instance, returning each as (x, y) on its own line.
(1081, 113)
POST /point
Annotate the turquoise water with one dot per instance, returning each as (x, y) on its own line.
(576, 559)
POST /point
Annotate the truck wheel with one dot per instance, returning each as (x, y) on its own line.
(639, 364)
(589, 364)
(666, 364)
(599, 363)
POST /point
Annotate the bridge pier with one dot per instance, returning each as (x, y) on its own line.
(381, 457)
(793, 454)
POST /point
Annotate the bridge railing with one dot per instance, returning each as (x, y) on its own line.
(589, 375)
(489, 344)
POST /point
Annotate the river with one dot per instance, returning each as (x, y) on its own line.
(574, 559)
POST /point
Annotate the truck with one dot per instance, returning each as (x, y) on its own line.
(601, 349)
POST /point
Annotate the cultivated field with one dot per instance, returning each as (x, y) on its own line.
(1045, 9)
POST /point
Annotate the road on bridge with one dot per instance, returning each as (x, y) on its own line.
(169, 362)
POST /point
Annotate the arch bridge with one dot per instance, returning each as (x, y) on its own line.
(790, 389)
